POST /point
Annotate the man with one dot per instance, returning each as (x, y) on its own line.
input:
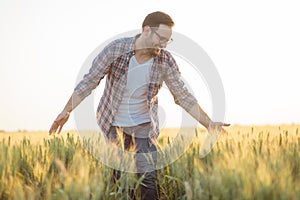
(135, 69)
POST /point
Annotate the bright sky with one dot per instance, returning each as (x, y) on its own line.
(254, 44)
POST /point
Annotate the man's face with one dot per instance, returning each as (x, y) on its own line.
(158, 38)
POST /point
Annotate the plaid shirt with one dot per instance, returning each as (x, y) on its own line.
(113, 61)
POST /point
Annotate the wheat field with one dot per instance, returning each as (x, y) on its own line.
(250, 162)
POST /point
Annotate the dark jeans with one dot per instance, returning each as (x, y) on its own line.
(138, 137)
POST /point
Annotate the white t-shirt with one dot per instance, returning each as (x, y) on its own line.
(133, 108)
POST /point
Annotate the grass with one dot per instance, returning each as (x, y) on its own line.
(248, 163)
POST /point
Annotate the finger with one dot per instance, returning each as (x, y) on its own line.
(223, 131)
(53, 129)
(225, 124)
(60, 129)
(50, 130)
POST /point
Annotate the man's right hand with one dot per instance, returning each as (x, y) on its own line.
(59, 122)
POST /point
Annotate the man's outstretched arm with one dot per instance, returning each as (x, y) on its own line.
(100, 67)
(63, 117)
(198, 113)
(185, 99)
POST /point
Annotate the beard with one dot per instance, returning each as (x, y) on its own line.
(154, 51)
(152, 48)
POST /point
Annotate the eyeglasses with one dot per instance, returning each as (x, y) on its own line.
(163, 40)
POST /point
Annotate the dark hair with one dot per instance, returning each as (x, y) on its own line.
(156, 18)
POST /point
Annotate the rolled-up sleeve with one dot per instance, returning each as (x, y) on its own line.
(181, 95)
(99, 68)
